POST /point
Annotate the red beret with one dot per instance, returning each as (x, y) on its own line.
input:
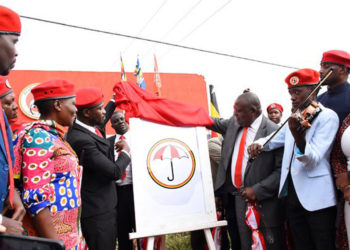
(9, 22)
(275, 106)
(302, 77)
(53, 89)
(5, 87)
(336, 56)
(89, 97)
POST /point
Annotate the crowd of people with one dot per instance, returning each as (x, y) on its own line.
(76, 186)
(297, 178)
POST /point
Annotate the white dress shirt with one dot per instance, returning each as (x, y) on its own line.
(251, 133)
(128, 178)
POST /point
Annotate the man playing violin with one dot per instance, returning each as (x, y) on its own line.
(306, 183)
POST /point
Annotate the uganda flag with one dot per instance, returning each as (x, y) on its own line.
(123, 75)
(214, 109)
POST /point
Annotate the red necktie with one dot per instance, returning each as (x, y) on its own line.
(9, 160)
(124, 174)
(239, 162)
(98, 132)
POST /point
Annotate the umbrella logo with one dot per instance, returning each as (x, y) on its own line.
(171, 163)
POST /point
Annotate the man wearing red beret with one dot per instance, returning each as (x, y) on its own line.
(8, 98)
(274, 112)
(306, 182)
(99, 196)
(8, 103)
(337, 95)
(10, 29)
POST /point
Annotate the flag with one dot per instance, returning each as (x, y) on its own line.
(139, 103)
(123, 77)
(252, 219)
(214, 110)
(157, 81)
(139, 76)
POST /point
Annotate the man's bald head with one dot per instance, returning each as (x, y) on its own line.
(247, 108)
(251, 100)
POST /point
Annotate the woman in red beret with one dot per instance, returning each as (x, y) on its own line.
(274, 112)
(50, 170)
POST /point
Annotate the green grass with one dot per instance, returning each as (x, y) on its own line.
(180, 241)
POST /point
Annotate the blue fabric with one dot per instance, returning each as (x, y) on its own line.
(337, 99)
(4, 167)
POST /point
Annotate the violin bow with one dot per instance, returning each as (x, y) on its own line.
(329, 73)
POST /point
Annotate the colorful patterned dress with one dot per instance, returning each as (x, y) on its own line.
(339, 165)
(51, 178)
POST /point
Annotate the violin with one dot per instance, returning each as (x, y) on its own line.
(308, 115)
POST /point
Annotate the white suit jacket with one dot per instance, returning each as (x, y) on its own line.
(311, 171)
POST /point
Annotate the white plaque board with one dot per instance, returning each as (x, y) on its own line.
(173, 189)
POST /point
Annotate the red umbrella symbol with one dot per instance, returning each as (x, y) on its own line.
(172, 153)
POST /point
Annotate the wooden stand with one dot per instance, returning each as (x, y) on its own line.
(207, 233)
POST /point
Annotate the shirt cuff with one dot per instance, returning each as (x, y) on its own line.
(127, 153)
(298, 152)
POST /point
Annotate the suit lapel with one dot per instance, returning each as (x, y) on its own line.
(230, 139)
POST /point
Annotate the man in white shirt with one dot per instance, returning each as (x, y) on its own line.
(240, 181)
(125, 207)
(306, 178)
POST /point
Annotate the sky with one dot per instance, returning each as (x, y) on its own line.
(291, 33)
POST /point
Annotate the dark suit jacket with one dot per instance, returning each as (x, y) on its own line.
(263, 174)
(99, 170)
(111, 140)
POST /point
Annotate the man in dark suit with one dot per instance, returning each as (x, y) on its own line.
(10, 30)
(100, 171)
(240, 181)
(125, 207)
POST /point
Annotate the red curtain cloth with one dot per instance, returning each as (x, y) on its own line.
(139, 103)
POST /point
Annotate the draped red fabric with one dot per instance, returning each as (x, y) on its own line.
(139, 103)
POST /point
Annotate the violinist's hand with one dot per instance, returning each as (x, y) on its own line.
(294, 123)
(254, 150)
(299, 135)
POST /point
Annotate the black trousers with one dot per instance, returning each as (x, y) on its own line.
(100, 231)
(310, 230)
(125, 216)
(230, 215)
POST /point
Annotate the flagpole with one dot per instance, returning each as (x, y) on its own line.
(157, 80)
